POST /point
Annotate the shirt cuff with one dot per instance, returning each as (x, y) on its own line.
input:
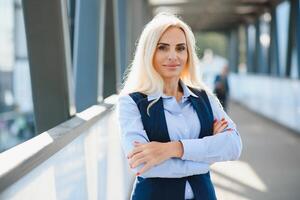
(193, 149)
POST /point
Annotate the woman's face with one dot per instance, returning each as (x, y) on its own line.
(171, 53)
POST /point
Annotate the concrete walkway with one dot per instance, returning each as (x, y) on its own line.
(269, 168)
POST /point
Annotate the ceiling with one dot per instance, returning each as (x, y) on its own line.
(214, 14)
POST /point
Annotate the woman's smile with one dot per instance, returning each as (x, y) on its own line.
(172, 65)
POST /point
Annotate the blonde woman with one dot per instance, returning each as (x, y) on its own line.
(172, 127)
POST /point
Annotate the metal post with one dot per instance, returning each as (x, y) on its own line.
(49, 54)
(273, 62)
(89, 29)
(110, 73)
(291, 37)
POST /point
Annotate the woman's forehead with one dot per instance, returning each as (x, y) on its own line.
(173, 35)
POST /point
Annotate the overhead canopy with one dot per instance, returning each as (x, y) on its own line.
(214, 14)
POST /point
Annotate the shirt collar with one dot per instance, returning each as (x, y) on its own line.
(186, 93)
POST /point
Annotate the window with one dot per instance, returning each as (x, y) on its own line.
(16, 107)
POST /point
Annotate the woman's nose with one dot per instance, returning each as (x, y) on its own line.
(172, 56)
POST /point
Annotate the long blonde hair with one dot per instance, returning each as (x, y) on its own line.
(141, 75)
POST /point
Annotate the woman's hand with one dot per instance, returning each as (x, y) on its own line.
(153, 153)
(219, 126)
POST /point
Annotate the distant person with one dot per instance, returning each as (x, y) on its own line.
(172, 126)
(221, 88)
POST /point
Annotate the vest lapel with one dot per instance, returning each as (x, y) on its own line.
(158, 129)
(202, 110)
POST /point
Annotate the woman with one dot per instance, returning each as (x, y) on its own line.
(221, 87)
(172, 127)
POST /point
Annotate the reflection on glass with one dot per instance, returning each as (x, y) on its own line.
(16, 110)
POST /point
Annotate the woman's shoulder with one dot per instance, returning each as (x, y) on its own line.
(212, 98)
(126, 104)
(125, 101)
(131, 96)
(214, 101)
(202, 91)
(124, 98)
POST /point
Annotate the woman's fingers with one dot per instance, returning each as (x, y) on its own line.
(219, 126)
(135, 143)
(222, 128)
(152, 152)
(136, 157)
(137, 162)
(135, 150)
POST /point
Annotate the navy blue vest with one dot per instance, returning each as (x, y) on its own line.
(156, 128)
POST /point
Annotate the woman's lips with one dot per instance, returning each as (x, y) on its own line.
(172, 65)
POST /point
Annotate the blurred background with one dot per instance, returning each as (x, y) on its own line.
(62, 62)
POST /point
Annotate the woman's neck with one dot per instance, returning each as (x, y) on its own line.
(172, 88)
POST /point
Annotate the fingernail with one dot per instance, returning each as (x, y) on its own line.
(223, 119)
(215, 120)
(138, 173)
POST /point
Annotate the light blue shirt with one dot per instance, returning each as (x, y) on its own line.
(184, 125)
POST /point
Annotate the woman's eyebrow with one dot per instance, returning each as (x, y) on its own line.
(161, 43)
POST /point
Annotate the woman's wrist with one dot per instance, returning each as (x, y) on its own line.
(175, 149)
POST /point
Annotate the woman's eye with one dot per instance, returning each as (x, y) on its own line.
(181, 48)
(163, 48)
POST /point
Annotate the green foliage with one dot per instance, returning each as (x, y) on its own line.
(217, 42)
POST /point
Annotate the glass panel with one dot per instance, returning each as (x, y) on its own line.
(16, 107)
(282, 12)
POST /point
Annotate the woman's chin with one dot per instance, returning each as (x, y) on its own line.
(171, 76)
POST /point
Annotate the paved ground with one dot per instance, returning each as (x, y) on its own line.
(269, 167)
